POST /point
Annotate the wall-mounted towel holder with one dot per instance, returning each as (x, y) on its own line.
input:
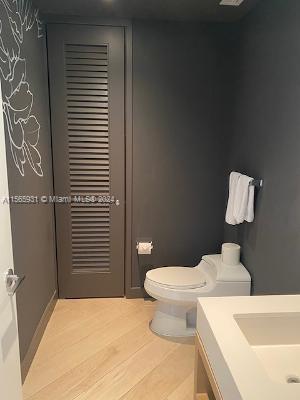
(257, 183)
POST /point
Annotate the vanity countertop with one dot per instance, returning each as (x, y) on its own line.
(253, 345)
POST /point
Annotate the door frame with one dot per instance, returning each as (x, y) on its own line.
(129, 290)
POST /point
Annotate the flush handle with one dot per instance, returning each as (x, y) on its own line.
(13, 282)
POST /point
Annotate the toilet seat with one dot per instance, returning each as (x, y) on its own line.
(177, 277)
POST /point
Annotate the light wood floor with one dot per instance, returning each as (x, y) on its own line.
(102, 349)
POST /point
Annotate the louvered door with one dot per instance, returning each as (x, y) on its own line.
(86, 67)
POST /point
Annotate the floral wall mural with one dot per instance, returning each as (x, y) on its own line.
(17, 19)
(25, 91)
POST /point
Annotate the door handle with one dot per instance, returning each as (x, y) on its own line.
(13, 282)
(115, 201)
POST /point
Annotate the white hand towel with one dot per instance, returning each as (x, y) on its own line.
(250, 206)
(244, 199)
(233, 180)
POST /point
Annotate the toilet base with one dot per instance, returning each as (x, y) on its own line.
(174, 320)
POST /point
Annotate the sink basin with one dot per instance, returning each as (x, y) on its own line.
(275, 339)
(253, 345)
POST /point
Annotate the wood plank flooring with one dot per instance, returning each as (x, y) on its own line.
(103, 349)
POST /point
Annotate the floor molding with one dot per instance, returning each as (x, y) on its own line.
(135, 293)
(37, 337)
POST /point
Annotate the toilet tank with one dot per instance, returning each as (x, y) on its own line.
(227, 273)
(230, 280)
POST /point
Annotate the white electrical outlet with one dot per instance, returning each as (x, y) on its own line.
(234, 3)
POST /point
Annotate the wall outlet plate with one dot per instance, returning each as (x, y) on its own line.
(233, 3)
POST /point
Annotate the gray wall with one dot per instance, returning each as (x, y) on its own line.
(32, 225)
(180, 128)
(267, 143)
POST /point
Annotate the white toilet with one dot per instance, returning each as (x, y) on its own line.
(177, 288)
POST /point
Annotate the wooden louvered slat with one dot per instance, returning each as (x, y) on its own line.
(88, 231)
(88, 110)
(86, 212)
(87, 104)
(84, 258)
(86, 56)
(89, 172)
(102, 119)
(90, 205)
(89, 175)
(79, 127)
(89, 55)
(91, 190)
(92, 142)
(86, 74)
(88, 144)
(89, 178)
(86, 69)
(94, 224)
(89, 239)
(90, 95)
(82, 136)
(88, 80)
(87, 164)
(85, 48)
(73, 129)
(86, 85)
(87, 92)
(88, 141)
(90, 182)
(100, 251)
(86, 61)
(78, 112)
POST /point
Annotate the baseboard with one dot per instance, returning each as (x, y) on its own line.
(135, 293)
(26, 363)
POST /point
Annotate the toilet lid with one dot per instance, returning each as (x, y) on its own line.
(177, 277)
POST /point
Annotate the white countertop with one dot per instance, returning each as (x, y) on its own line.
(239, 371)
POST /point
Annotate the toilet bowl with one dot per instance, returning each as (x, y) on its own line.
(176, 290)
